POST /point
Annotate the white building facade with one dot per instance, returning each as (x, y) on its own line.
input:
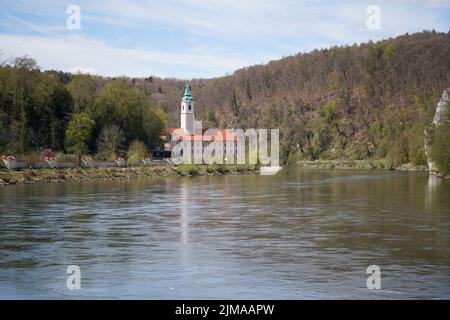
(187, 112)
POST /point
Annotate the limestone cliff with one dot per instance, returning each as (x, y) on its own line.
(441, 109)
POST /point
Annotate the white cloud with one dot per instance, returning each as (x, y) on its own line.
(339, 20)
(223, 35)
(67, 53)
(82, 70)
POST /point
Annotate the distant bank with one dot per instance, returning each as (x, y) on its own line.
(357, 164)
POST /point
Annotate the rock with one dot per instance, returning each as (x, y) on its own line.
(441, 109)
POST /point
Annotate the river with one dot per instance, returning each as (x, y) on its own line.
(302, 234)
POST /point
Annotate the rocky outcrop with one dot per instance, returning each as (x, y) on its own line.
(441, 109)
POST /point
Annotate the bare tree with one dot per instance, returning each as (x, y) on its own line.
(110, 142)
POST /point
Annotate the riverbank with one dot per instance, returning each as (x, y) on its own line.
(29, 176)
(357, 164)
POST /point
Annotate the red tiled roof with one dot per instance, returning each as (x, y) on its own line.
(220, 135)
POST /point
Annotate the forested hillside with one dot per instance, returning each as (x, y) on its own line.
(354, 102)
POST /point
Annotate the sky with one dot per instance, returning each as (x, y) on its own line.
(198, 38)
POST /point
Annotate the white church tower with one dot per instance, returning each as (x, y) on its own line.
(187, 112)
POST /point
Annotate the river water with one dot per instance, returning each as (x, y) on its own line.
(297, 235)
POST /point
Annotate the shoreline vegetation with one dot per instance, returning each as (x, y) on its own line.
(381, 164)
(358, 164)
(30, 176)
(46, 175)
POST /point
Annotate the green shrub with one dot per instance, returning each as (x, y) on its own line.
(78, 133)
(66, 157)
(137, 151)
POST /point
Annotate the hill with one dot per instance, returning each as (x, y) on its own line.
(353, 102)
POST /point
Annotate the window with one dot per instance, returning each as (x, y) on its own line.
(189, 107)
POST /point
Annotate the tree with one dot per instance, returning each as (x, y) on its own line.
(416, 148)
(62, 108)
(234, 104)
(110, 142)
(82, 88)
(16, 88)
(440, 148)
(78, 133)
(119, 103)
(159, 112)
(48, 113)
(154, 123)
(25, 63)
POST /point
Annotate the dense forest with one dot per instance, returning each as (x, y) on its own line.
(367, 101)
(352, 102)
(77, 114)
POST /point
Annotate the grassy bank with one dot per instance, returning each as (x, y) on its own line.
(355, 164)
(28, 176)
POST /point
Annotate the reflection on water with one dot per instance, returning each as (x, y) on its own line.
(299, 234)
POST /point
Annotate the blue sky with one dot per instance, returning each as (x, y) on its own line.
(197, 38)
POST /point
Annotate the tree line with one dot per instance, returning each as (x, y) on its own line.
(78, 114)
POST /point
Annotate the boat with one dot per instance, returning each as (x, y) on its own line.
(270, 171)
